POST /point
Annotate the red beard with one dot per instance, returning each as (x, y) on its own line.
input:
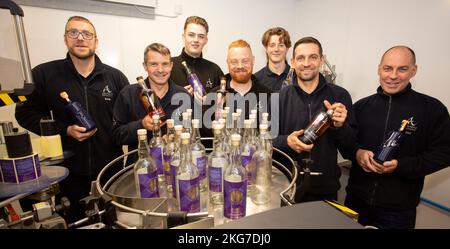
(239, 77)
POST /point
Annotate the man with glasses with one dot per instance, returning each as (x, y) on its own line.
(129, 113)
(95, 86)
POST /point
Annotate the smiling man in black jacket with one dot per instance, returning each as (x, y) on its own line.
(299, 103)
(386, 196)
(95, 85)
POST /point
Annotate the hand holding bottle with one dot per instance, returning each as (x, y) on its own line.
(79, 132)
(295, 143)
(339, 113)
(368, 164)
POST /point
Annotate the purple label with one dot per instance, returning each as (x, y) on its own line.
(201, 166)
(215, 179)
(38, 165)
(248, 166)
(148, 184)
(196, 85)
(8, 171)
(25, 169)
(235, 199)
(156, 154)
(167, 172)
(189, 195)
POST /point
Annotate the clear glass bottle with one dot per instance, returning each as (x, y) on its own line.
(261, 165)
(247, 150)
(235, 184)
(145, 172)
(176, 158)
(150, 101)
(317, 127)
(198, 153)
(156, 148)
(168, 150)
(221, 98)
(217, 163)
(188, 184)
(289, 78)
(186, 123)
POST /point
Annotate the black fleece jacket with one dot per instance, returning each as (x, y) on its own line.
(297, 108)
(423, 152)
(96, 94)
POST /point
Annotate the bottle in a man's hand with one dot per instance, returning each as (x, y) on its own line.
(150, 101)
(392, 143)
(194, 81)
(78, 113)
(317, 127)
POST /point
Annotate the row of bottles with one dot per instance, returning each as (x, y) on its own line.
(238, 165)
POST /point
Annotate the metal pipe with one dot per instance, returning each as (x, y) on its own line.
(23, 49)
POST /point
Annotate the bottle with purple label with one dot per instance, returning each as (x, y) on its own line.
(198, 153)
(156, 149)
(168, 150)
(176, 158)
(194, 81)
(146, 176)
(235, 184)
(262, 168)
(247, 150)
(217, 163)
(188, 183)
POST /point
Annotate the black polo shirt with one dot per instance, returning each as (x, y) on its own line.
(270, 79)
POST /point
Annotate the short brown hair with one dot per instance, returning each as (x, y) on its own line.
(82, 19)
(158, 48)
(308, 39)
(196, 20)
(282, 33)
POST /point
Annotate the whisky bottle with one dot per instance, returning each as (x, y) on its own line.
(289, 78)
(317, 127)
(78, 113)
(390, 146)
(150, 101)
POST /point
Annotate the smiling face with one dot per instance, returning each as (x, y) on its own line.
(80, 47)
(240, 64)
(396, 69)
(158, 67)
(307, 61)
(276, 49)
(195, 38)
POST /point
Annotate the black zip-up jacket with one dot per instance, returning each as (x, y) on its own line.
(423, 152)
(96, 94)
(129, 112)
(297, 108)
(208, 72)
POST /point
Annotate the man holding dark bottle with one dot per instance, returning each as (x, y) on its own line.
(95, 86)
(195, 37)
(386, 194)
(129, 112)
(299, 103)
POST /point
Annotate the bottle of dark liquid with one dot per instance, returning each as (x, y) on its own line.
(150, 101)
(78, 113)
(390, 146)
(317, 127)
(288, 81)
(194, 81)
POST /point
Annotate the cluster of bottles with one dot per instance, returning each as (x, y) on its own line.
(239, 165)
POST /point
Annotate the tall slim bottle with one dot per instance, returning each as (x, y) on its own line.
(289, 78)
(217, 163)
(156, 148)
(221, 98)
(317, 127)
(176, 158)
(262, 166)
(235, 184)
(188, 184)
(150, 101)
(194, 81)
(145, 173)
(168, 150)
(392, 143)
(247, 151)
(199, 155)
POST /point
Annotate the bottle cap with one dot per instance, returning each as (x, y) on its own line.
(263, 127)
(247, 123)
(226, 108)
(239, 111)
(265, 115)
(170, 123)
(195, 123)
(142, 132)
(185, 135)
(178, 127)
(235, 137)
(330, 112)
(189, 111)
(185, 115)
(254, 111)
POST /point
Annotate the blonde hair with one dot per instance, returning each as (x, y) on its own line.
(156, 47)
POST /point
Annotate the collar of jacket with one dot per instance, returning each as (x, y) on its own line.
(407, 89)
(286, 69)
(170, 82)
(98, 68)
(322, 84)
(189, 59)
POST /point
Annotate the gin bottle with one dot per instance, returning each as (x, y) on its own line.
(199, 155)
(261, 165)
(156, 148)
(217, 163)
(145, 172)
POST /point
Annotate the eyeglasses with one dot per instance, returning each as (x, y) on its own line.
(73, 33)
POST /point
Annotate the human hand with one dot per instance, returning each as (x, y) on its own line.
(297, 145)
(147, 122)
(79, 132)
(365, 160)
(189, 89)
(339, 113)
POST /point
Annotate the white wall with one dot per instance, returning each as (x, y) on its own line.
(354, 34)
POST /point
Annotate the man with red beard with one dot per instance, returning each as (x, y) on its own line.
(95, 86)
(244, 91)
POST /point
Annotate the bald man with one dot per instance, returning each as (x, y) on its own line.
(386, 194)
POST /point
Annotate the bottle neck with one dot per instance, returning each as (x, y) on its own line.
(156, 132)
(143, 148)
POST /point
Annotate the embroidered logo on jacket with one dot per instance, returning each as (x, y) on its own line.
(107, 93)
